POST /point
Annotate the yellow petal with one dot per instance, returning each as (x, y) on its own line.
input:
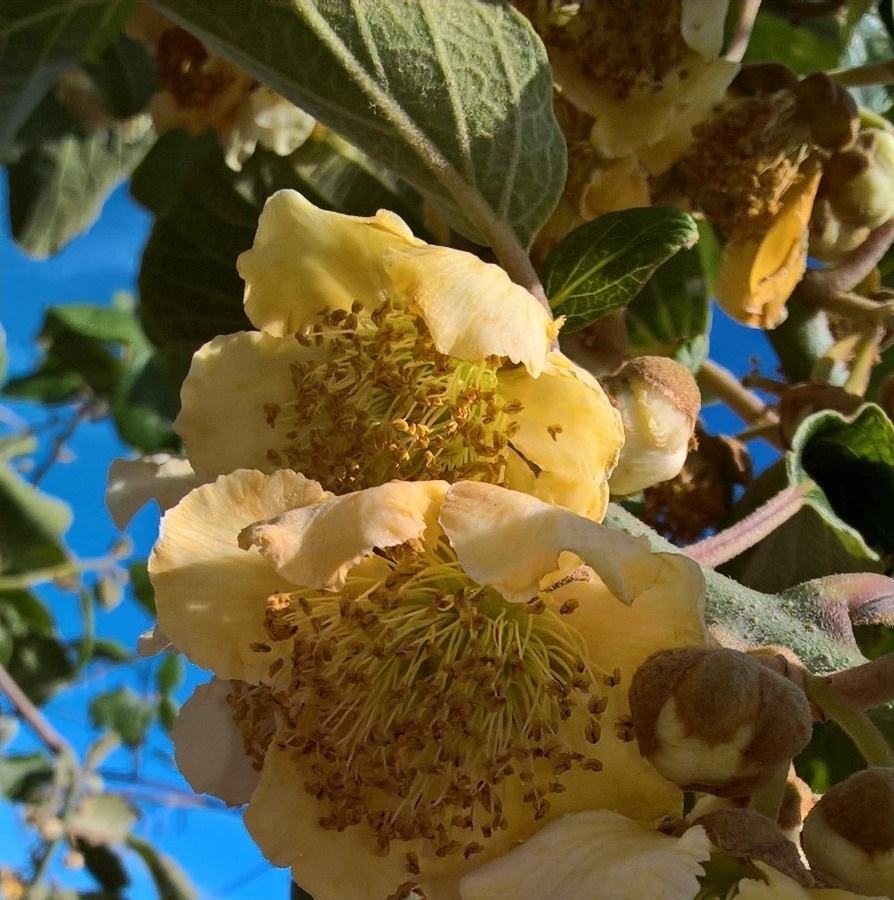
(210, 595)
(757, 277)
(600, 855)
(472, 308)
(316, 546)
(208, 746)
(582, 451)
(701, 24)
(511, 540)
(306, 260)
(234, 384)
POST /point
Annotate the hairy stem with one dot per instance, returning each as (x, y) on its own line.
(744, 403)
(866, 686)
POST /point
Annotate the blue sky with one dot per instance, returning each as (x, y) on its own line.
(210, 844)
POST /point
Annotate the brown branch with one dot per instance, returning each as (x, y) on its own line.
(34, 717)
(866, 686)
(744, 403)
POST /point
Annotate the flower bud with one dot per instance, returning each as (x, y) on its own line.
(659, 403)
(848, 836)
(716, 720)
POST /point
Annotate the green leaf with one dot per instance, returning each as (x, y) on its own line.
(40, 38)
(671, 316)
(170, 673)
(746, 617)
(103, 819)
(31, 525)
(851, 458)
(604, 264)
(23, 613)
(125, 712)
(144, 407)
(124, 74)
(24, 774)
(57, 187)
(104, 864)
(107, 650)
(170, 880)
(41, 666)
(455, 98)
(167, 712)
(141, 586)
(802, 49)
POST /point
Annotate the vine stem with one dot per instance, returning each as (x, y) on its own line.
(747, 405)
(38, 722)
(866, 686)
(728, 544)
(852, 720)
(864, 76)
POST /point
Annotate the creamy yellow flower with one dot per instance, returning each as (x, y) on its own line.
(423, 674)
(379, 356)
(778, 886)
(598, 854)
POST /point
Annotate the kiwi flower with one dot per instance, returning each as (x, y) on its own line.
(380, 357)
(414, 677)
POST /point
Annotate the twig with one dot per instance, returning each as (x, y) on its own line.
(818, 285)
(60, 440)
(864, 76)
(728, 544)
(53, 573)
(866, 686)
(744, 403)
(34, 717)
(742, 33)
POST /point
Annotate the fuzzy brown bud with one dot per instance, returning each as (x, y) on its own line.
(716, 720)
(659, 403)
(848, 836)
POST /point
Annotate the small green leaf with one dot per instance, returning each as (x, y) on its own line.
(125, 712)
(104, 864)
(24, 774)
(671, 316)
(170, 880)
(141, 586)
(57, 187)
(167, 712)
(31, 525)
(456, 98)
(170, 673)
(604, 264)
(124, 73)
(41, 666)
(103, 819)
(108, 650)
(802, 49)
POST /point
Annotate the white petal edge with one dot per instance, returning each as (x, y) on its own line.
(598, 854)
(132, 483)
(208, 746)
(511, 540)
(316, 546)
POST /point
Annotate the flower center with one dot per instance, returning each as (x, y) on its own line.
(382, 402)
(416, 694)
(744, 160)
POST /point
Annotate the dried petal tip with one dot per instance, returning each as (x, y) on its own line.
(659, 403)
(848, 836)
(716, 720)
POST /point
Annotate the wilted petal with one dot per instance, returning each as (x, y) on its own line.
(230, 397)
(210, 594)
(757, 277)
(570, 432)
(316, 546)
(472, 309)
(600, 855)
(306, 260)
(132, 483)
(208, 746)
(511, 540)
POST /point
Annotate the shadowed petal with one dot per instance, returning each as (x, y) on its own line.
(132, 483)
(210, 594)
(317, 546)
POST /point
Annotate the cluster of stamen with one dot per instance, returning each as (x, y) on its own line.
(745, 158)
(626, 46)
(182, 69)
(382, 402)
(252, 709)
(416, 696)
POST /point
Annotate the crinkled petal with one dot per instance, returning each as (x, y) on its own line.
(306, 260)
(228, 400)
(210, 595)
(208, 746)
(757, 277)
(598, 854)
(510, 540)
(779, 886)
(472, 308)
(316, 546)
(151, 642)
(132, 483)
(569, 430)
